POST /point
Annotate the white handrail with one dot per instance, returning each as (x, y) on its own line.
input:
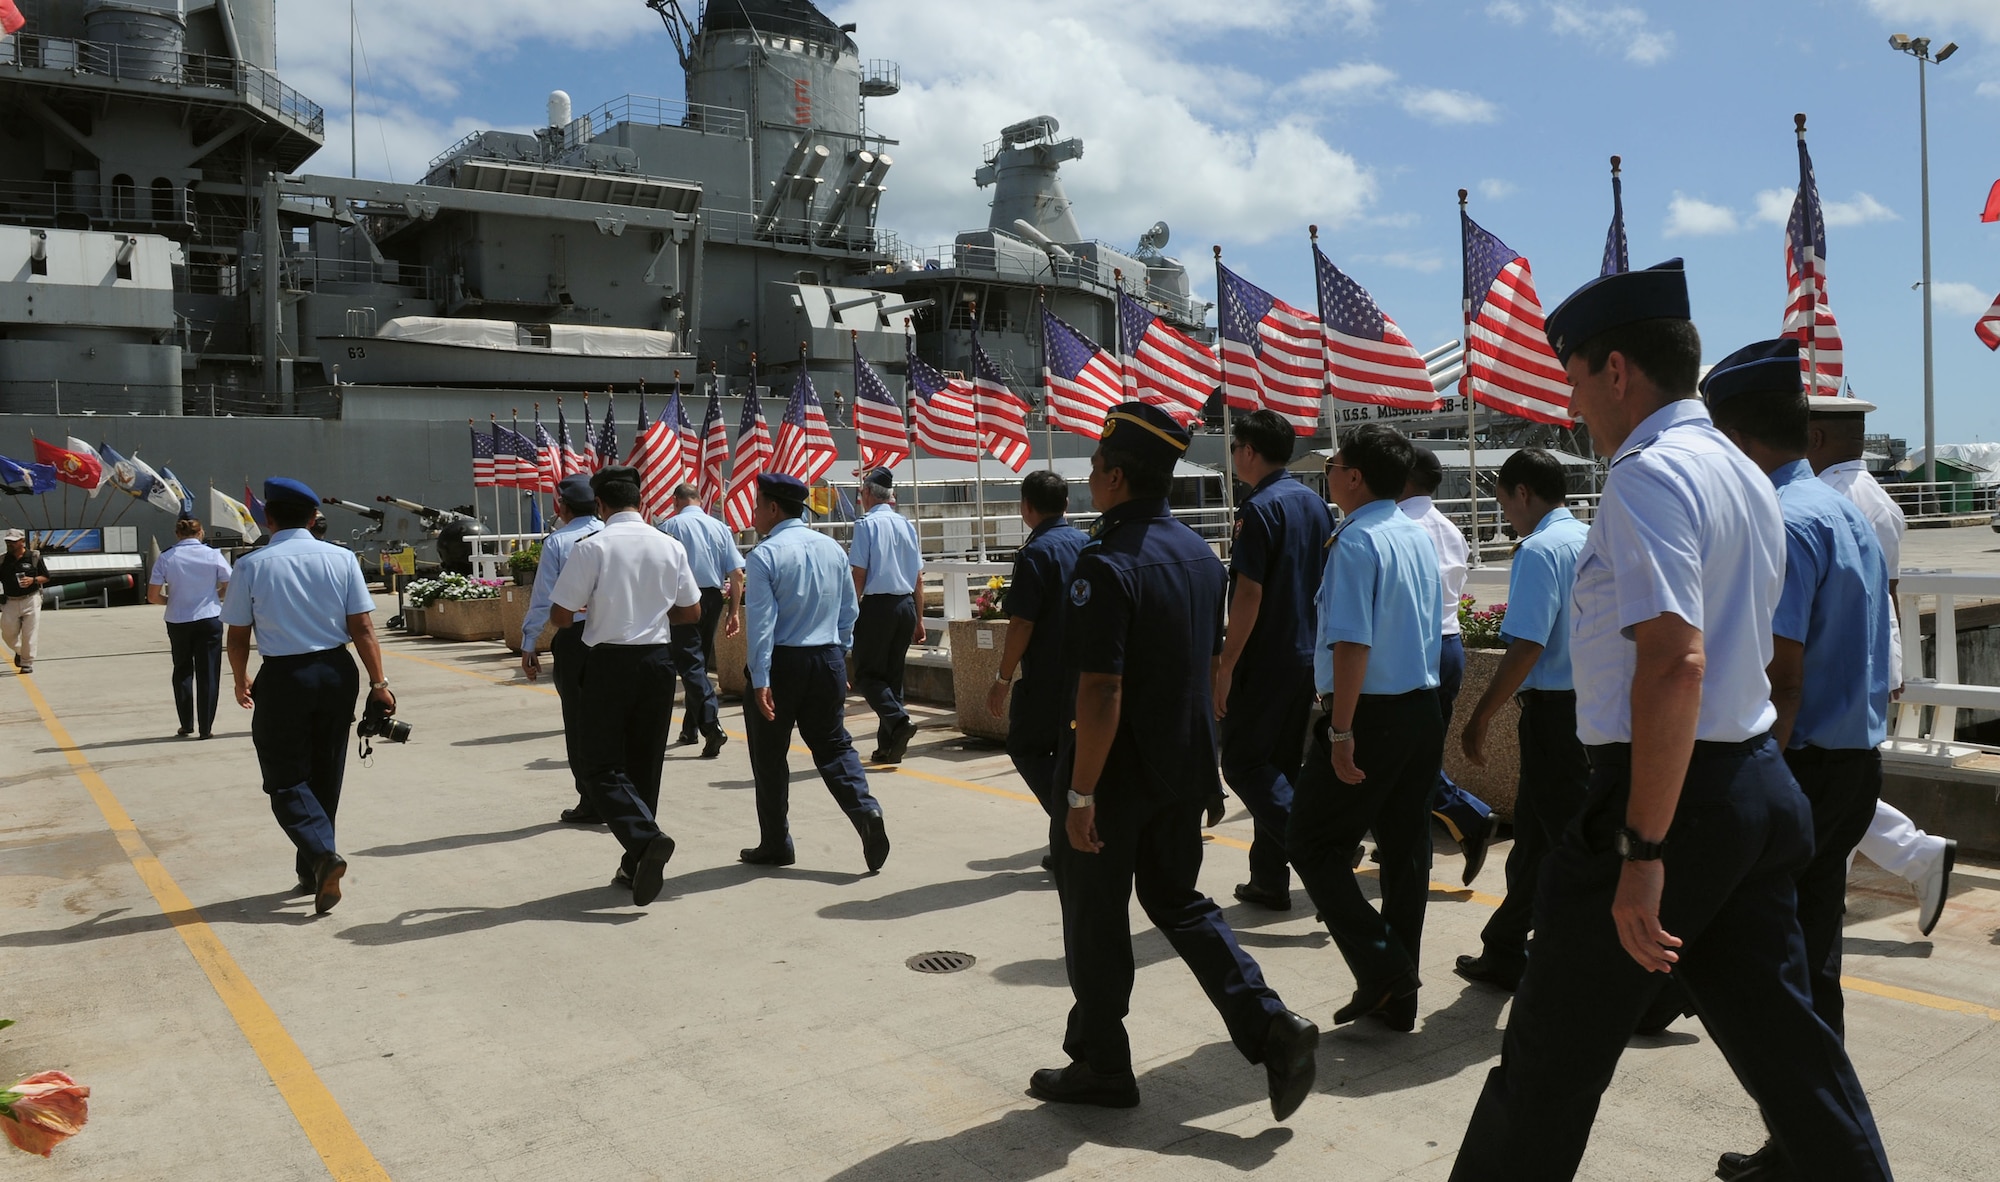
(1926, 717)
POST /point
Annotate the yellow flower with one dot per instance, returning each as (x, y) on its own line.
(995, 583)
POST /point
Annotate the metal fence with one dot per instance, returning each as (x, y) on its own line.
(190, 399)
(82, 60)
(1943, 500)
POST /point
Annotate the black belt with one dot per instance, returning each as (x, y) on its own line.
(289, 660)
(1619, 754)
(1325, 701)
(1819, 755)
(1542, 695)
(891, 595)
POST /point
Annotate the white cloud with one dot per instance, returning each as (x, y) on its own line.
(1949, 18)
(1623, 29)
(1961, 298)
(1449, 106)
(1495, 189)
(1775, 207)
(1351, 80)
(1508, 11)
(1691, 217)
(1405, 260)
(1989, 89)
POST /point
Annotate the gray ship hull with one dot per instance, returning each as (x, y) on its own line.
(382, 361)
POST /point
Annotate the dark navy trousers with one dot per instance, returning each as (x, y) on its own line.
(197, 655)
(1741, 835)
(809, 692)
(304, 711)
(1555, 774)
(692, 644)
(1842, 786)
(627, 708)
(1034, 728)
(1151, 843)
(882, 634)
(1263, 743)
(1461, 811)
(567, 650)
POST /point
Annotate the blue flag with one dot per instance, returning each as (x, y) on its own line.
(534, 515)
(25, 480)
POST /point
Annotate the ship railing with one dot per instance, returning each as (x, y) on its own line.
(75, 396)
(984, 261)
(464, 145)
(731, 225)
(78, 59)
(645, 110)
(1944, 500)
(138, 205)
(1924, 727)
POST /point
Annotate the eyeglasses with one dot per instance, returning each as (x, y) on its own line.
(1331, 465)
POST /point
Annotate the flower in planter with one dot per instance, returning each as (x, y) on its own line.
(990, 603)
(43, 1111)
(1481, 629)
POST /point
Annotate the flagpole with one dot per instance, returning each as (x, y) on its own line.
(1471, 414)
(1048, 424)
(1332, 420)
(979, 455)
(1809, 276)
(1228, 477)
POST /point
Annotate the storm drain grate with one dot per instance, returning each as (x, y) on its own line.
(941, 962)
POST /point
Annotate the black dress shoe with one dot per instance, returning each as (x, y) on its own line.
(874, 842)
(1483, 971)
(302, 887)
(1733, 1166)
(898, 743)
(687, 739)
(759, 856)
(1474, 849)
(581, 816)
(622, 879)
(651, 873)
(1289, 1063)
(1049, 862)
(1399, 1014)
(205, 735)
(713, 747)
(1078, 1084)
(1250, 892)
(327, 875)
(184, 732)
(1369, 999)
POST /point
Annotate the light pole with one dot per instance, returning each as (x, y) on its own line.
(1920, 48)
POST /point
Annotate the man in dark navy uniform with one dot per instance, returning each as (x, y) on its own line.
(1145, 624)
(1264, 679)
(1683, 857)
(1031, 660)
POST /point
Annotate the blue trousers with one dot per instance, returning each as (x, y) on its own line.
(691, 645)
(197, 650)
(882, 635)
(1151, 843)
(1555, 773)
(1263, 743)
(809, 692)
(627, 708)
(1034, 728)
(1741, 835)
(299, 726)
(567, 650)
(1842, 786)
(1461, 811)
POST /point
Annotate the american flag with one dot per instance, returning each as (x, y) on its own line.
(879, 430)
(1368, 359)
(1272, 354)
(525, 472)
(548, 457)
(1807, 315)
(1003, 418)
(656, 453)
(1617, 260)
(1988, 327)
(1163, 365)
(606, 444)
(945, 417)
(503, 455)
(677, 414)
(1508, 363)
(588, 456)
(482, 459)
(1085, 382)
(11, 19)
(805, 446)
(753, 458)
(714, 448)
(571, 459)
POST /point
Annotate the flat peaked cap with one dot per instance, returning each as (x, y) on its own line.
(1657, 293)
(882, 478)
(1144, 430)
(1828, 404)
(783, 488)
(619, 473)
(575, 490)
(279, 489)
(1767, 367)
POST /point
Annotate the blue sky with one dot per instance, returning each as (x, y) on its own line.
(1240, 122)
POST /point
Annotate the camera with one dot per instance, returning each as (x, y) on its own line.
(376, 723)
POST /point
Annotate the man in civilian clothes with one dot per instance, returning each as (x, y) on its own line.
(1031, 660)
(1263, 681)
(23, 575)
(1378, 736)
(576, 506)
(1554, 769)
(635, 585)
(305, 600)
(190, 579)
(717, 566)
(888, 572)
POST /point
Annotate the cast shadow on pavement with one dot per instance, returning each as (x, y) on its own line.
(583, 906)
(509, 737)
(1036, 1142)
(1365, 1058)
(730, 874)
(284, 908)
(459, 841)
(939, 896)
(148, 741)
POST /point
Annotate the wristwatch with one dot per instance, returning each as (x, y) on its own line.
(1633, 848)
(375, 685)
(1081, 802)
(1334, 736)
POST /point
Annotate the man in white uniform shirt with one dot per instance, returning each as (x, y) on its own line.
(1835, 437)
(635, 584)
(189, 578)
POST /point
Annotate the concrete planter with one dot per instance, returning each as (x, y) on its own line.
(731, 655)
(513, 613)
(975, 660)
(463, 619)
(1495, 783)
(413, 621)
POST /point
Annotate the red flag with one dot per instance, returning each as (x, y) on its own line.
(1988, 327)
(80, 467)
(1992, 213)
(11, 21)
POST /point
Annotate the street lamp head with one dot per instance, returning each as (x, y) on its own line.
(1899, 41)
(1921, 46)
(1950, 48)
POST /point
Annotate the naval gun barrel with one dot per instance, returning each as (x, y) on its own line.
(432, 518)
(56, 594)
(374, 515)
(1032, 233)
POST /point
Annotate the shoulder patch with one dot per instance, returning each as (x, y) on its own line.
(1079, 592)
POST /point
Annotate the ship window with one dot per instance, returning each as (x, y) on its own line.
(163, 199)
(533, 336)
(124, 203)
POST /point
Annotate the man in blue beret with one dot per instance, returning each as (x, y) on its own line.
(1830, 663)
(1145, 625)
(799, 607)
(576, 508)
(888, 573)
(1693, 830)
(306, 601)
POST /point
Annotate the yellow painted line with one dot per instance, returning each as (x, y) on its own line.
(1456, 893)
(346, 1156)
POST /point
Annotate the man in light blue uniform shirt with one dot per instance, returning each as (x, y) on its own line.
(305, 599)
(715, 561)
(189, 578)
(1683, 857)
(888, 570)
(576, 504)
(1830, 663)
(799, 606)
(1377, 739)
(1555, 771)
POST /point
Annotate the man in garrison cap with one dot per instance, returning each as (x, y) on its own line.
(888, 568)
(306, 601)
(799, 609)
(1830, 665)
(1693, 830)
(1145, 624)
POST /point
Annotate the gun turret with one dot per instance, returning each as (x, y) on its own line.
(452, 527)
(432, 518)
(374, 515)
